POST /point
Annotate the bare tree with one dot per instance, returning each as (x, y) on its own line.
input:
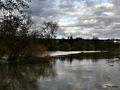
(48, 29)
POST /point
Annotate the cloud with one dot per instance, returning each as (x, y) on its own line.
(104, 5)
(82, 18)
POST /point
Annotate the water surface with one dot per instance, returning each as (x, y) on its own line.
(72, 72)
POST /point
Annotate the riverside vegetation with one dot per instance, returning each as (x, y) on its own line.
(17, 41)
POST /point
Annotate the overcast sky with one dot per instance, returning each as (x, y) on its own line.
(80, 18)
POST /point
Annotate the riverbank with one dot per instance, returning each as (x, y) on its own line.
(49, 55)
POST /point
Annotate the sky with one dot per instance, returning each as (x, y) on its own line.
(79, 18)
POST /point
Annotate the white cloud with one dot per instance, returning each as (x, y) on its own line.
(105, 5)
(80, 18)
(109, 13)
(62, 24)
(89, 21)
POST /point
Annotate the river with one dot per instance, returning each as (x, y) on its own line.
(93, 71)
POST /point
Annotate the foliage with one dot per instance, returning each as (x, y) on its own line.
(81, 44)
(15, 22)
(39, 50)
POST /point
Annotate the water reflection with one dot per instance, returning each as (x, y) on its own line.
(73, 72)
(93, 56)
(24, 76)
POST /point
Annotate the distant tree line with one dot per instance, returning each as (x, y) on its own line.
(80, 44)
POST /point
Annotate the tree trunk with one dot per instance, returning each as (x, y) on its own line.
(12, 57)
